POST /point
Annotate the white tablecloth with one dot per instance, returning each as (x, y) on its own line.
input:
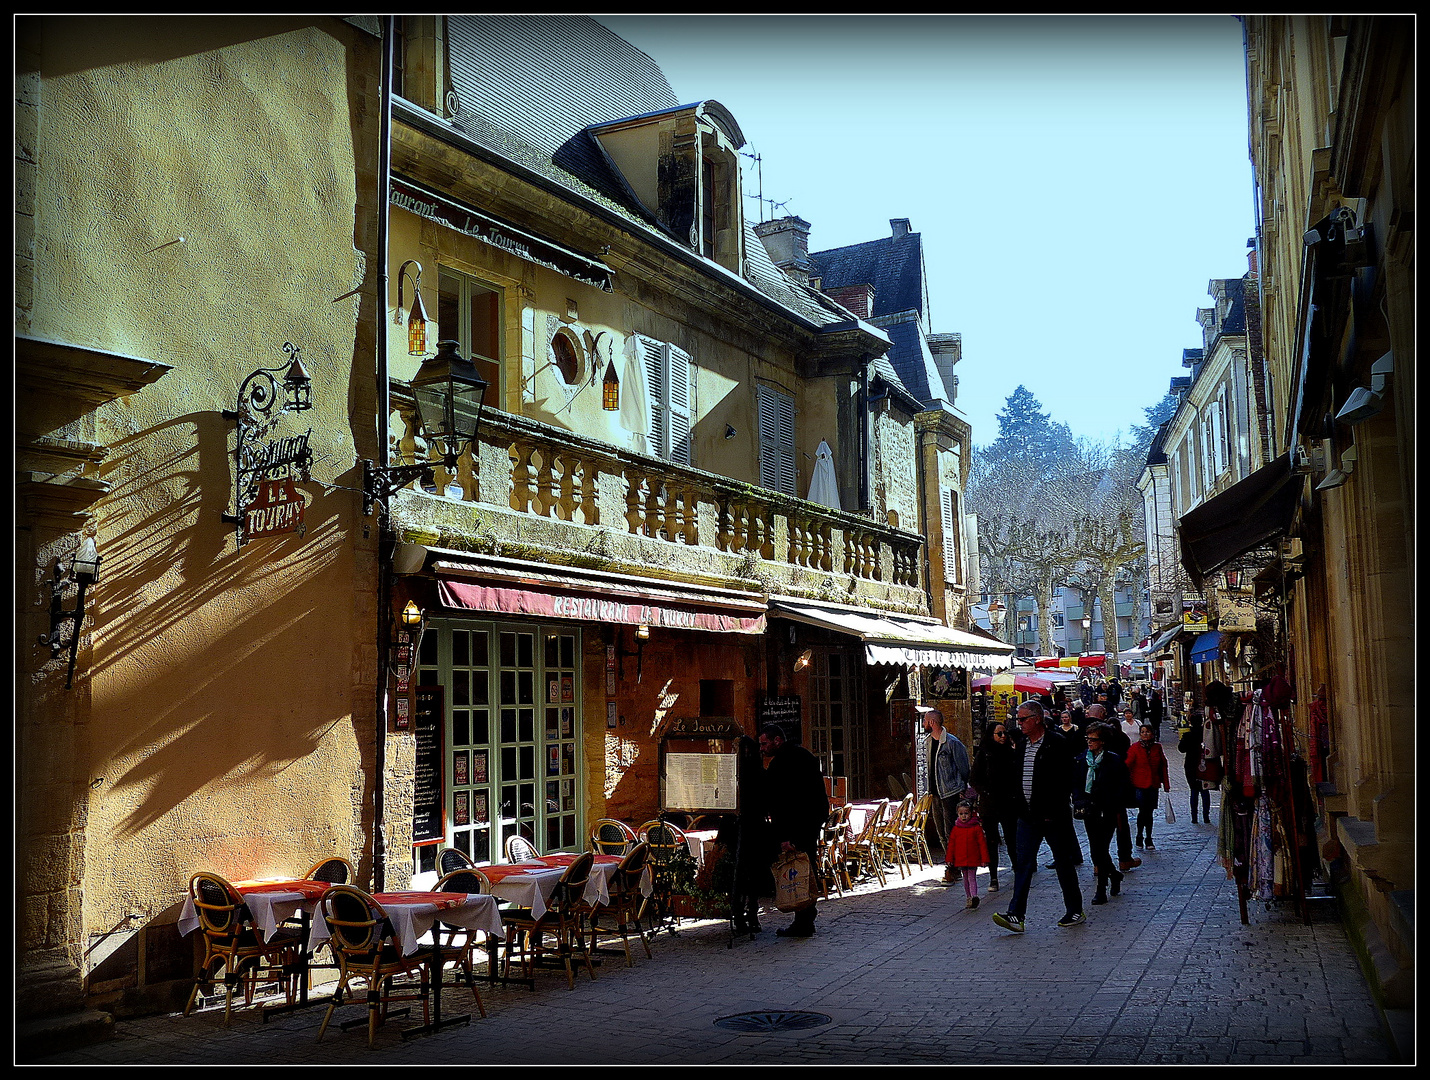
(413, 918)
(859, 814)
(269, 909)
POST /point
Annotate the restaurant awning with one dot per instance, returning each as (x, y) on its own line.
(901, 639)
(1246, 514)
(1206, 647)
(506, 588)
(500, 234)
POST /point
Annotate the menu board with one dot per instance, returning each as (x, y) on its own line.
(428, 722)
(700, 782)
(782, 711)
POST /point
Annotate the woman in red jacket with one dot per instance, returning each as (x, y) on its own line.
(1147, 766)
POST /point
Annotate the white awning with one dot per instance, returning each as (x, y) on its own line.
(901, 639)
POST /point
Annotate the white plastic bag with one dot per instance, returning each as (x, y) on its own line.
(1168, 814)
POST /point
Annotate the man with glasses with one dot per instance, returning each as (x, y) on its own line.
(1044, 805)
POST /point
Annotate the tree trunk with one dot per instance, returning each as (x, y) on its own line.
(1108, 595)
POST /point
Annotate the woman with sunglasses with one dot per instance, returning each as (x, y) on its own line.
(1100, 790)
(996, 774)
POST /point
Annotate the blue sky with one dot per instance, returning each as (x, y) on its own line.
(1077, 180)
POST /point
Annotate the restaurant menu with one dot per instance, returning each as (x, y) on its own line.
(428, 721)
(701, 782)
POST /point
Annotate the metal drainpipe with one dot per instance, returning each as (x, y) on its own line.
(864, 420)
(384, 584)
(926, 523)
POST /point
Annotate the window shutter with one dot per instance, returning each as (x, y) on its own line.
(652, 355)
(776, 429)
(677, 384)
(951, 538)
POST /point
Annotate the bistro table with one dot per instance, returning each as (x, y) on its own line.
(270, 903)
(412, 915)
(859, 814)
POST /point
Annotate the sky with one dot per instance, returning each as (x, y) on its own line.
(1077, 180)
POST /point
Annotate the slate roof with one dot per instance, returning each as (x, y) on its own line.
(530, 85)
(893, 265)
(914, 363)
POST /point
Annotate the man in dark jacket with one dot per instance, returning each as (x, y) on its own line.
(798, 806)
(1044, 812)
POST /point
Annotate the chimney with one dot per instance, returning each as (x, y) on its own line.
(900, 226)
(857, 298)
(1251, 263)
(787, 241)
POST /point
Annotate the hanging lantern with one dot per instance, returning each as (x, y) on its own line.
(610, 389)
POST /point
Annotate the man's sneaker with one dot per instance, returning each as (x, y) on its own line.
(1008, 922)
(1073, 918)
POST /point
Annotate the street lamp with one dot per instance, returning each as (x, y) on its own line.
(449, 393)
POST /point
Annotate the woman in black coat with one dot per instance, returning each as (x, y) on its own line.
(1099, 803)
(754, 849)
(1191, 747)
(997, 775)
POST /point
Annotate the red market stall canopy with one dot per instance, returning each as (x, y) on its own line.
(1007, 681)
(1093, 660)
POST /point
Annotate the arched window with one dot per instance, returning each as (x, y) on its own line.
(563, 356)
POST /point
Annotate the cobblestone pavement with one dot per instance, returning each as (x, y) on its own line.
(1165, 973)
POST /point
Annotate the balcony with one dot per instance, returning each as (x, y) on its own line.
(555, 496)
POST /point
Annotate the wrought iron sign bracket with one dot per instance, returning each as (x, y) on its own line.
(258, 455)
(379, 484)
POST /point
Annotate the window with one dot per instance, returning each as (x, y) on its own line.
(564, 359)
(668, 376)
(776, 428)
(470, 313)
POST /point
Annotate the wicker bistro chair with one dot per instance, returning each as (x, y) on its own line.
(888, 838)
(832, 838)
(335, 871)
(520, 849)
(627, 902)
(564, 918)
(362, 940)
(232, 942)
(458, 944)
(450, 860)
(861, 852)
(913, 836)
(612, 837)
(668, 845)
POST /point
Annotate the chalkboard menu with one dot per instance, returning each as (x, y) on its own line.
(428, 724)
(782, 711)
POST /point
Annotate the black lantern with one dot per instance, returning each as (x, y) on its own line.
(449, 393)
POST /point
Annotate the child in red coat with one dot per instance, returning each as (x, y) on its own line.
(967, 850)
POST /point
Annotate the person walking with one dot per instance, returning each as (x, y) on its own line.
(967, 850)
(1147, 766)
(996, 775)
(754, 852)
(1119, 742)
(1155, 712)
(797, 805)
(948, 768)
(1044, 812)
(1191, 747)
(1099, 792)
(1130, 727)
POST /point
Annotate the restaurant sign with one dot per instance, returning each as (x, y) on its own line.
(278, 509)
(472, 597)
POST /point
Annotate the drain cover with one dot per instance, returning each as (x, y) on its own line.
(772, 1021)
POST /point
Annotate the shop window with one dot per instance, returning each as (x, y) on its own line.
(776, 431)
(470, 312)
(717, 697)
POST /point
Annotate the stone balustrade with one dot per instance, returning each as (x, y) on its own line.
(546, 472)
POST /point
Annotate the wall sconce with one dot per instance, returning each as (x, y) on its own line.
(417, 320)
(1336, 477)
(611, 389)
(84, 569)
(804, 659)
(449, 393)
(1362, 404)
(643, 632)
(729, 431)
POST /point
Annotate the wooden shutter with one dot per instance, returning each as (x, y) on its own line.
(952, 568)
(776, 424)
(680, 407)
(653, 356)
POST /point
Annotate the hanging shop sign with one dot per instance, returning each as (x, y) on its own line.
(949, 684)
(266, 457)
(1194, 615)
(1236, 610)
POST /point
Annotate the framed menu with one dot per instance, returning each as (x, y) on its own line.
(428, 721)
(699, 782)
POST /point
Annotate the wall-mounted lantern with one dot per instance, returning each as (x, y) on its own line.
(417, 318)
(449, 394)
(84, 569)
(611, 389)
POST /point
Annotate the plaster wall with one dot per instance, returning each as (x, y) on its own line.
(231, 690)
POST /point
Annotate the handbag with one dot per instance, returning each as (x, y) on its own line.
(1209, 771)
(793, 881)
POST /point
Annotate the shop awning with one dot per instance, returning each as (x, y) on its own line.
(1206, 647)
(1164, 639)
(893, 639)
(500, 234)
(506, 589)
(1248, 513)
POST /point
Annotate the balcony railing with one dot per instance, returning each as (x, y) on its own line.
(546, 472)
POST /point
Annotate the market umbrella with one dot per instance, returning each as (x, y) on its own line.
(1008, 681)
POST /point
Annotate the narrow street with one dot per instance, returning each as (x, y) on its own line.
(1164, 974)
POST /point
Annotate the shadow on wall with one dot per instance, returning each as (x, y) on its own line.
(211, 665)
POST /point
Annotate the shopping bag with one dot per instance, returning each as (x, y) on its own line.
(1209, 771)
(1168, 814)
(793, 882)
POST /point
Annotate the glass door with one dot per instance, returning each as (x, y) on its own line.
(838, 735)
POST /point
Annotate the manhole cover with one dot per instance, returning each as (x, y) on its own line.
(772, 1021)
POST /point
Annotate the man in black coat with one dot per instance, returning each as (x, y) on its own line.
(1044, 812)
(798, 806)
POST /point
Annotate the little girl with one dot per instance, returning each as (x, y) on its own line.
(967, 850)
